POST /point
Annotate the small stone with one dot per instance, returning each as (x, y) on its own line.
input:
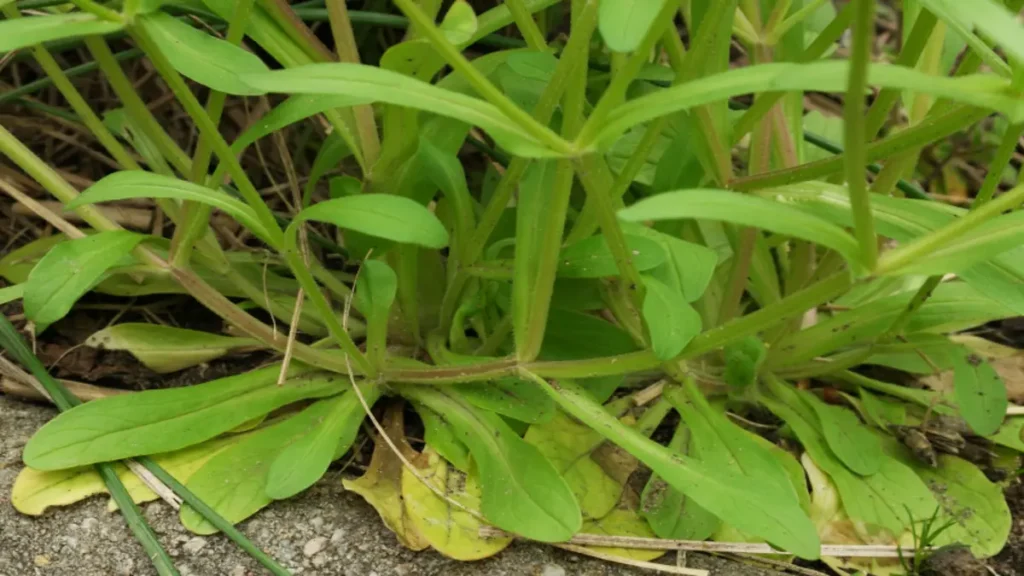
(405, 569)
(238, 570)
(194, 545)
(313, 546)
(90, 524)
(552, 570)
(320, 559)
(127, 567)
(337, 536)
(41, 560)
(317, 522)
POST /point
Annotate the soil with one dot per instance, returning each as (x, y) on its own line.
(324, 531)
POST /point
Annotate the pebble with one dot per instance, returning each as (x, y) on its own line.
(238, 570)
(552, 570)
(41, 560)
(337, 536)
(320, 559)
(90, 523)
(317, 522)
(194, 545)
(405, 569)
(313, 546)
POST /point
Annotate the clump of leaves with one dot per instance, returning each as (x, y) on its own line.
(615, 223)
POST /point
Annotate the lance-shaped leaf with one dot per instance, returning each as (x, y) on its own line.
(16, 33)
(156, 421)
(166, 349)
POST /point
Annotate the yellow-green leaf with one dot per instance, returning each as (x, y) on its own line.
(166, 349)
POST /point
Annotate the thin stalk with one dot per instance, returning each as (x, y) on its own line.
(345, 46)
(1001, 159)
(853, 114)
(892, 261)
(480, 83)
(108, 63)
(777, 30)
(209, 129)
(99, 10)
(615, 94)
(527, 25)
(12, 342)
(931, 130)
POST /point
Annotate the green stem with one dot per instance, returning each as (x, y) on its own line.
(527, 25)
(1000, 160)
(209, 129)
(919, 248)
(928, 131)
(615, 94)
(345, 46)
(853, 113)
(99, 10)
(480, 83)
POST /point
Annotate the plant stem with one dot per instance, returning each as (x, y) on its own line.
(930, 130)
(1000, 160)
(480, 83)
(853, 114)
(345, 46)
(209, 129)
(891, 261)
(98, 10)
(526, 24)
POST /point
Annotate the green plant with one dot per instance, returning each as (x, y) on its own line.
(633, 234)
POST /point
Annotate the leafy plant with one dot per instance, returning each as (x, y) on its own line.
(530, 233)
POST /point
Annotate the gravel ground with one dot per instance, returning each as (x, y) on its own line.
(324, 531)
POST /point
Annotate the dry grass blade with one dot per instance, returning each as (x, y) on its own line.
(665, 568)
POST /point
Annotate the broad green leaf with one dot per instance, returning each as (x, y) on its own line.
(977, 507)
(163, 420)
(668, 511)
(568, 445)
(881, 500)
(592, 258)
(850, 440)
(883, 411)
(450, 529)
(442, 437)
(446, 173)
(522, 491)
(336, 421)
(980, 393)
(576, 336)
(381, 484)
(166, 349)
(128, 184)
(34, 491)
(416, 58)
(234, 482)
(624, 23)
(671, 322)
(724, 493)
(383, 216)
(209, 61)
(513, 397)
(688, 267)
(984, 91)
(746, 210)
(70, 270)
(375, 293)
(721, 444)
(290, 111)
(393, 88)
(1010, 434)
(525, 75)
(743, 359)
(11, 293)
(577, 294)
(459, 23)
(622, 522)
(16, 33)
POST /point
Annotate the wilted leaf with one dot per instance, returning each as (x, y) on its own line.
(166, 349)
(381, 485)
(449, 529)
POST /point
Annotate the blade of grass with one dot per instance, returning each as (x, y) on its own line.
(853, 113)
(12, 342)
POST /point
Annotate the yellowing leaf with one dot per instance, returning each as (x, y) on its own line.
(166, 349)
(567, 444)
(381, 486)
(450, 530)
(36, 490)
(623, 522)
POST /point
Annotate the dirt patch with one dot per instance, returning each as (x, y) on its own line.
(1010, 562)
